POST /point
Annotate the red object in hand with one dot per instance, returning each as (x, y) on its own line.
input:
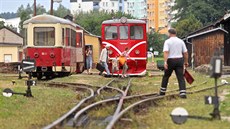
(188, 77)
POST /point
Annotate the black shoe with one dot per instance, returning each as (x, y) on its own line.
(107, 76)
(161, 93)
(183, 96)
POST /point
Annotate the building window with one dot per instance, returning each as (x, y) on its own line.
(120, 8)
(44, 36)
(112, 4)
(7, 58)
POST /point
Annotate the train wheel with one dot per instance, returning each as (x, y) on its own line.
(39, 76)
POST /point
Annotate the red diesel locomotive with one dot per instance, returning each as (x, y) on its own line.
(122, 33)
(56, 44)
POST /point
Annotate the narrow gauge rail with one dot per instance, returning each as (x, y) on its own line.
(60, 122)
(64, 119)
(154, 99)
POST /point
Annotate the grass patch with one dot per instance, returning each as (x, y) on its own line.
(155, 117)
(225, 105)
(94, 80)
(19, 112)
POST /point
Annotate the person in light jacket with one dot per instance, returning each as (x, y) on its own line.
(104, 58)
(89, 60)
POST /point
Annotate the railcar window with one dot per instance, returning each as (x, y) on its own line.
(73, 38)
(123, 32)
(63, 36)
(44, 36)
(25, 37)
(111, 32)
(67, 37)
(136, 32)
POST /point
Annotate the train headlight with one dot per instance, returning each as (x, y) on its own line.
(36, 55)
(137, 52)
(52, 55)
(110, 52)
(123, 20)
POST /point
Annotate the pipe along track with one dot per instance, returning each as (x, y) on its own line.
(79, 111)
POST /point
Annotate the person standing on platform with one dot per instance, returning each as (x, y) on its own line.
(175, 58)
(89, 60)
(104, 59)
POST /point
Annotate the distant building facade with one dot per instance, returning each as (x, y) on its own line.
(10, 45)
(137, 8)
(77, 6)
(159, 15)
(113, 5)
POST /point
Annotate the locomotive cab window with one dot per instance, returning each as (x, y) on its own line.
(111, 32)
(44, 36)
(123, 32)
(136, 32)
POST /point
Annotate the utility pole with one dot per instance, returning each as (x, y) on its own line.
(51, 7)
(34, 7)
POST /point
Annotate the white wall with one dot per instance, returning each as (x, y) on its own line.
(76, 7)
(14, 22)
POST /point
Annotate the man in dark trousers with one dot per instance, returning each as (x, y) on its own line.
(175, 58)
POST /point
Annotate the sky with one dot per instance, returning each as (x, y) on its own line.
(13, 5)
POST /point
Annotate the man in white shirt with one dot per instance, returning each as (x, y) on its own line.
(175, 58)
(104, 57)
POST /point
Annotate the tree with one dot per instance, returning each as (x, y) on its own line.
(187, 26)
(206, 11)
(91, 21)
(61, 11)
(156, 41)
(8, 15)
(2, 24)
(39, 9)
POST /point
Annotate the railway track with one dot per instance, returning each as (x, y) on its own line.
(76, 112)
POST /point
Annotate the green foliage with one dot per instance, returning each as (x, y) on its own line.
(206, 11)
(187, 26)
(92, 21)
(1, 24)
(61, 11)
(24, 15)
(39, 9)
(8, 15)
(156, 41)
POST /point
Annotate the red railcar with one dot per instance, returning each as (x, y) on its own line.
(56, 44)
(122, 33)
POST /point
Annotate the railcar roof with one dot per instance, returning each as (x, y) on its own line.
(49, 19)
(116, 21)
